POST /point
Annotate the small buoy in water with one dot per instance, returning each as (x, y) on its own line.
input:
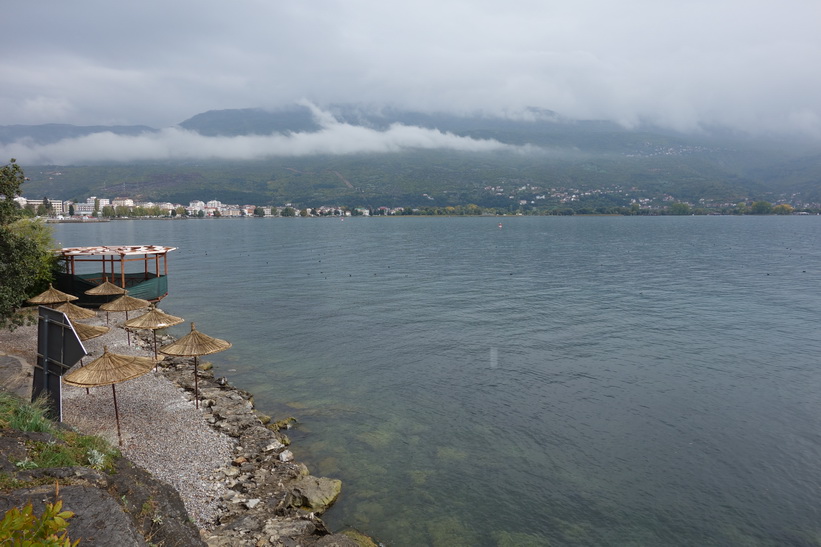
(500, 225)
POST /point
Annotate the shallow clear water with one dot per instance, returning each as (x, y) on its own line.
(604, 380)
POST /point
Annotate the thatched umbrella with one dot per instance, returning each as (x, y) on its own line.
(51, 296)
(87, 332)
(106, 288)
(74, 311)
(154, 319)
(193, 345)
(110, 369)
(125, 303)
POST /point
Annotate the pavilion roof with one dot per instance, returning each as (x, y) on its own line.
(113, 250)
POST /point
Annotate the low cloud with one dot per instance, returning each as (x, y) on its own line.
(179, 144)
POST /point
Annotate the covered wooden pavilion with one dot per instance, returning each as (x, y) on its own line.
(141, 269)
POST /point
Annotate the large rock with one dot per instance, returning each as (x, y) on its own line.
(317, 493)
(98, 519)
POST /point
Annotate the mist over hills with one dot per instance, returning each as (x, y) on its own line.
(358, 156)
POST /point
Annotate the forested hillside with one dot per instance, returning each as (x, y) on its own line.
(547, 157)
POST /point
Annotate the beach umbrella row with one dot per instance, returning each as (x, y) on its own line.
(113, 368)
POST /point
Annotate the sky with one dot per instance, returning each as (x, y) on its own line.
(748, 66)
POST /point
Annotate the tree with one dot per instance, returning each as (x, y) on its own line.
(26, 264)
(782, 209)
(288, 212)
(11, 178)
(680, 209)
(71, 209)
(259, 212)
(761, 208)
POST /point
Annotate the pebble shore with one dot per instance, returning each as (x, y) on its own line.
(184, 452)
(237, 481)
(162, 430)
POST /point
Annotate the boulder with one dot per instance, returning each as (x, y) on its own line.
(316, 494)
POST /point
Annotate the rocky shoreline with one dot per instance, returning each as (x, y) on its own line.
(255, 495)
(270, 496)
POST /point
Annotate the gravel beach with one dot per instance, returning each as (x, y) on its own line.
(162, 430)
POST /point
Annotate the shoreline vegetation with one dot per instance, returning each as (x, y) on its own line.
(221, 475)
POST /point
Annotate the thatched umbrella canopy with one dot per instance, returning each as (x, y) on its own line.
(193, 345)
(87, 332)
(51, 296)
(74, 311)
(125, 303)
(110, 369)
(154, 319)
(106, 288)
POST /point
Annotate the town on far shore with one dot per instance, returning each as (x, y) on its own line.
(97, 208)
(104, 208)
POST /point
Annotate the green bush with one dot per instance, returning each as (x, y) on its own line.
(21, 527)
(16, 414)
(68, 447)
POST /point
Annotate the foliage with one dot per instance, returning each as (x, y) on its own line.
(761, 208)
(31, 417)
(25, 260)
(680, 209)
(782, 209)
(26, 266)
(21, 527)
(11, 178)
(68, 449)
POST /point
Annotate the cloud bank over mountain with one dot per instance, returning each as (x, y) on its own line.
(748, 66)
(176, 143)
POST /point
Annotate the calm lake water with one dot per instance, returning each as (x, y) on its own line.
(561, 380)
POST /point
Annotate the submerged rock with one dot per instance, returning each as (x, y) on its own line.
(317, 493)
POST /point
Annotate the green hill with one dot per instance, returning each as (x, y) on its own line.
(560, 154)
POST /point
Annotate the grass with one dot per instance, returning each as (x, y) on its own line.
(66, 449)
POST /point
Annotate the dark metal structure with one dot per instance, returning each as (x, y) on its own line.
(58, 349)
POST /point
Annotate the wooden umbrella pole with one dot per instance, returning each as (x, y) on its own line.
(196, 385)
(117, 414)
(154, 331)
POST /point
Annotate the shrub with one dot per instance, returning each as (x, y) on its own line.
(22, 527)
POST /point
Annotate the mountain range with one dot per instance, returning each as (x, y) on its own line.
(532, 158)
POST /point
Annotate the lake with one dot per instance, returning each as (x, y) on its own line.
(555, 380)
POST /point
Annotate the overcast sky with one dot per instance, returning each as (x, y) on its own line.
(748, 65)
